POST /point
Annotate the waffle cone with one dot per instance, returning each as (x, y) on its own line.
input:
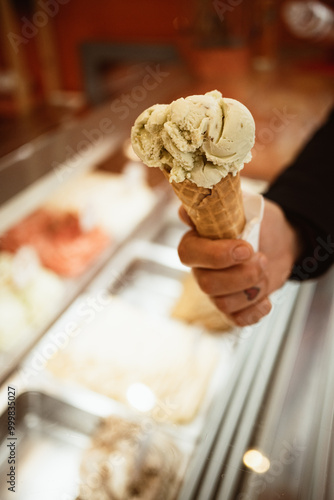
(217, 213)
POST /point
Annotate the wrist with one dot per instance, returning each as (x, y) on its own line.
(306, 242)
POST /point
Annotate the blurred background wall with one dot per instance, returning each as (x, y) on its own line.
(59, 57)
(63, 25)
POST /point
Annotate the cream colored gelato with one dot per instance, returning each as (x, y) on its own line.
(202, 138)
(155, 365)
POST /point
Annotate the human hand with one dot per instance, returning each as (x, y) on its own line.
(237, 279)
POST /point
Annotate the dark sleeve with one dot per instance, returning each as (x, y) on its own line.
(305, 193)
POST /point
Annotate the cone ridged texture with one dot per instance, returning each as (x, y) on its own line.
(217, 213)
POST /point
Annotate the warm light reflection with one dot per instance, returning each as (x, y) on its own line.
(256, 461)
(140, 397)
(129, 152)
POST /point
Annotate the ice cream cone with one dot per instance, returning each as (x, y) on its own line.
(200, 143)
(217, 213)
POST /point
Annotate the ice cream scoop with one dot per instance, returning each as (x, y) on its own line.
(201, 138)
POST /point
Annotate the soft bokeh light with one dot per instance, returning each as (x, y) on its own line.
(256, 461)
(140, 397)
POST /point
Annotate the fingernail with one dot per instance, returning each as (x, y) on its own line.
(242, 322)
(241, 252)
(249, 319)
(265, 306)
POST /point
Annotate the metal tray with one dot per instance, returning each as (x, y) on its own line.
(147, 275)
(52, 433)
(33, 373)
(51, 436)
(9, 360)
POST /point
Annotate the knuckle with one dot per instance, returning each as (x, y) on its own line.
(253, 275)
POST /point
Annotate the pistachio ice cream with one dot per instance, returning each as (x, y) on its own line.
(201, 138)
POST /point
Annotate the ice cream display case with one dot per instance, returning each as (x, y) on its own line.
(117, 350)
(116, 365)
(110, 394)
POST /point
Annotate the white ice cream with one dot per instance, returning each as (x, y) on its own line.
(202, 138)
(29, 296)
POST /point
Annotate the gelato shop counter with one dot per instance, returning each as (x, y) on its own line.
(111, 387)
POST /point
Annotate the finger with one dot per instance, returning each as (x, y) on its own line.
(212, 254)
(232, 279)
(252, 314)
(185, 217)
(238, 301)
